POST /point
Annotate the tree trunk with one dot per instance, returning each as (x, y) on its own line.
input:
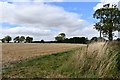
(110, 35)
(100, 34)
(7, 41)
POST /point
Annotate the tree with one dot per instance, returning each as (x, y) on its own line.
(62, 34)
(60, 37)
(109, 20)
(42, 41)
(98, 26)
(3, 40)
(29, 39)
(22, 38)
(82, 40)
(17, 39)
(8, 39)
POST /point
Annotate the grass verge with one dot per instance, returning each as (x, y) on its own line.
(42, 66)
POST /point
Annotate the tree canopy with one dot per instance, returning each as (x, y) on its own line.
(29, 39)
(17, 39)
(109, 17)
(60, 37)
(6, 39)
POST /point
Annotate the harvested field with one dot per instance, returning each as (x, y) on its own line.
(14, 52)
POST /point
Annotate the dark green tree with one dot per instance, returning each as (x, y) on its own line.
(42, 41)
(17, 39)
(60, 37)
(3, 40)
(29, 39)
(22, 39)
(8, 39)
(109, 20)
(63, 35)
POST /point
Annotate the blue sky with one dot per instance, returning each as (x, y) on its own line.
(45, 21)
(84, 9)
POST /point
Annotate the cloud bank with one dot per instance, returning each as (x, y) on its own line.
(39, 19)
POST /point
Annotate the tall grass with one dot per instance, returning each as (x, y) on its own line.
(96, 60)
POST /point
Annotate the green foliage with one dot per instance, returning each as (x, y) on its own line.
(60, 37)
(3, 40)
(17, 39)
(22, 38)
(43, 66)
(109, 20)
(62, 34)
(82, 40)
(6, 39)
(29, 39)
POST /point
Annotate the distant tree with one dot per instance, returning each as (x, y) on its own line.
(82, 40)
(17, 39)
(3, 40)
(29, 39)
(42, 41)
(8, 39)
(60, 37)
(22, 38)
(63, 35)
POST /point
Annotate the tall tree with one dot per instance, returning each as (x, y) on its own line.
(17, 39)
(29, 39)
(8, 39)
(109, 20)
(22, 39)
(60, 37)
(3, 40)
(62, 34)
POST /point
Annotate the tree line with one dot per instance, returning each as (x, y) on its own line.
(60, 38)
(18, 39)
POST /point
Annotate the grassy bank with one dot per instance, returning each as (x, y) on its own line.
(43, 66)
(97, 60)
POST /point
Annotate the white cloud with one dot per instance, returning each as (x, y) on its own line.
(38, 34)
(39, 20)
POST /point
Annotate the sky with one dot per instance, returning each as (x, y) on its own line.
(45, 20)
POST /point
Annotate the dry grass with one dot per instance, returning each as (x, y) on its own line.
(13, 52)
(97, 60)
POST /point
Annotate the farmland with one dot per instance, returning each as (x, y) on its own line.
(96, 60)
(12, 52)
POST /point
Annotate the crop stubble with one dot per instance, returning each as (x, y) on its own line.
(14, 52)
